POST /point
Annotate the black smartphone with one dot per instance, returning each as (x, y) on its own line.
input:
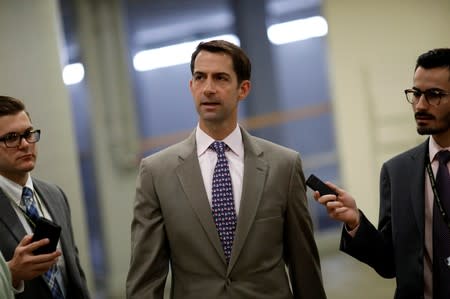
(46, 228)
(316, 184)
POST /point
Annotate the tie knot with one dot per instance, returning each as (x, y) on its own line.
(27, 194)
(218, 146)
(443, 157)
(30, 207)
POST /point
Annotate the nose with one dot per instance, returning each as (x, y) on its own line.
(23, 142)
(209, 87)
(422, 102)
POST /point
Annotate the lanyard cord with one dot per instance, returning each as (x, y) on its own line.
(24, 213)
(436, 196)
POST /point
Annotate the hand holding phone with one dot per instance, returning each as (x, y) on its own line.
(316, 184)
(46, 229)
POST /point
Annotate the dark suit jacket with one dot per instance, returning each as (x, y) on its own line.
(173, 223)
(397, 248)
(12, 231)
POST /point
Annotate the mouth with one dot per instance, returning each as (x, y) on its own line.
(423, 117)
(210, 104)
(26, 157)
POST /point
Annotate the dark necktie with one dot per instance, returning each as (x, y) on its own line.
(441, 232)
(30, 207)
(223, 210)
(33, 215)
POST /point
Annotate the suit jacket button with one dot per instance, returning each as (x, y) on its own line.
(228, 282)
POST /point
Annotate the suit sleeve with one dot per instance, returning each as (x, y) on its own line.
(83, 289)
(149, 254)
(301, 254)
(370, 245)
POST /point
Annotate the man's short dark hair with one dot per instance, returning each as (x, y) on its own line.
(434, 58)
(241, 62)
(10, 106)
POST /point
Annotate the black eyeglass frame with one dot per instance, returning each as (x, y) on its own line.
(435, 95)
(13, 140)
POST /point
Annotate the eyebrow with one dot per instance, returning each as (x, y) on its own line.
(9, 133)
(214, 73)
(429, 89)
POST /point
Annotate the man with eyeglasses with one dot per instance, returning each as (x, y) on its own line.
(412, 242)
(24, 201)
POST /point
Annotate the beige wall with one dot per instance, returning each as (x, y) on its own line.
(31, 70)
(373, 46)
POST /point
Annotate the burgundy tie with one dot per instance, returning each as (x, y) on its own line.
(441, 231)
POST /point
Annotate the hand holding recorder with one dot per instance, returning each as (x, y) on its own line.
(340, 205)
(25, 265)
(46, 229)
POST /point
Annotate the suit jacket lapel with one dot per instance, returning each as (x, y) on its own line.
(190, 177)
(56, 205)
(417, 181)
(9, 217)
(255, 173)
(54, 208)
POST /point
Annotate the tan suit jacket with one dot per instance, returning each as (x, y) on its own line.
(173, 224)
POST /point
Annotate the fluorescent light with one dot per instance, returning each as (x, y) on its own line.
(172, 55)
(73, 73)
(297, 30)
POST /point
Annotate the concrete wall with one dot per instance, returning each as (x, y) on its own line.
(30, 60)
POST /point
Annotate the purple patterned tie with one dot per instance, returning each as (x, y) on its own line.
(441, 232)
(33, 214)
(223, 210)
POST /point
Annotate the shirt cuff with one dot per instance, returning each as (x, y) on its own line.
(20, 288)
(352, 232)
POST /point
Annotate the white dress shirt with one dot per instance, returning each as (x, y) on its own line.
(208, 157)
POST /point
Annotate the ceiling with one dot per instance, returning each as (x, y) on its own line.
(153, 23)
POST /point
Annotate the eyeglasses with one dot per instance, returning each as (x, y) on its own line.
(15, 139)
(432, 96)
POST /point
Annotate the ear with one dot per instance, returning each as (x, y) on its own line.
(190, 85)
(244, 89)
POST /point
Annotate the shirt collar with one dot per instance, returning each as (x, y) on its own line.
(234, 141)
(14, 190)
(434, 148)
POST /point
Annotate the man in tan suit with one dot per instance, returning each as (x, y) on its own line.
(231, 243)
